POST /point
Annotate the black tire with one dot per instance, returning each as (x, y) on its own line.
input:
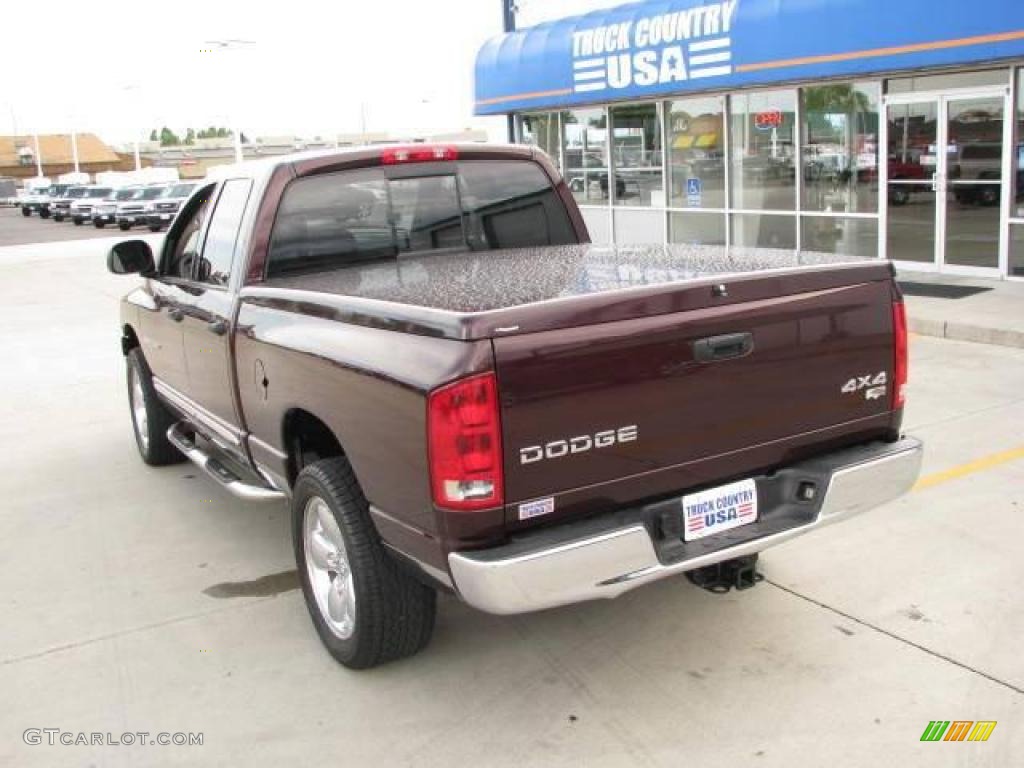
(99, 224)
(155, 227)
(124, 226)
(155, 449)
(990, 195)
(78, 221)
(44, 214)
(898, 196)
(394, 613)
(58, 218)
(26, 211)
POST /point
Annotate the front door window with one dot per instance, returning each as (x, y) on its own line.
(913, 164)
(974, 152)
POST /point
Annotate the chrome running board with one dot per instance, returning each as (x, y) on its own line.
(224, 476)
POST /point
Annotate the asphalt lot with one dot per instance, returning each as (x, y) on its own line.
(16, 229)
(139, 599)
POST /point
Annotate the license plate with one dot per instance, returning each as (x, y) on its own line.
(719, 509)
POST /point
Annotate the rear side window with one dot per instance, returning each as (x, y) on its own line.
(219, 248)
(361, 215)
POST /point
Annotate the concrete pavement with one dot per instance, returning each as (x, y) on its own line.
(862, 634)
(993, 316)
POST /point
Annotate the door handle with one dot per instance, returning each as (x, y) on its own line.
(176, 314)
(727, 347)
(217, 327)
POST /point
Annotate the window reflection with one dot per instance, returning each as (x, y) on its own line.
(764, 231)
(1017, 209)
(541, 131)
(840, 140)
(834, 234)
(761, 143)
(585, 154)
(637, 150)
(697, 228)
(1017, 250)
(696, 152)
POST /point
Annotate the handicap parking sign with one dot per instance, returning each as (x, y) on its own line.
(694, 191)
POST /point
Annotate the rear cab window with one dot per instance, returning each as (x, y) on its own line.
(330, 221)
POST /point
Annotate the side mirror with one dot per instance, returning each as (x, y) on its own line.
(131, 257)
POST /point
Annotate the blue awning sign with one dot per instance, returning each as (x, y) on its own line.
(654, 49)
(663, 47)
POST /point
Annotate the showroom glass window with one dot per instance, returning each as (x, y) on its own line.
(541, 131)
(1016, 266)
(696, 152)
(585, 155)
(763, 171)
(839, 135)
(637, 155)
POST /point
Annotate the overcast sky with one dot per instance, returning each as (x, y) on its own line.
(139, 65)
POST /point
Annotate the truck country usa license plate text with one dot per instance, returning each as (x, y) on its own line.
(719, 509)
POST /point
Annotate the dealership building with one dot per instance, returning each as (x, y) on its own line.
(851, 127)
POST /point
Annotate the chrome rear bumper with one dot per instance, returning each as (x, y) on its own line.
(511, 579)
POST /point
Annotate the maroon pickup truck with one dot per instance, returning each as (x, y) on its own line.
(417, 349)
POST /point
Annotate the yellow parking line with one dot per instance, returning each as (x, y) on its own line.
(978, 465)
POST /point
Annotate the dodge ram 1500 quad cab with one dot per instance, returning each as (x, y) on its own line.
(418, 349)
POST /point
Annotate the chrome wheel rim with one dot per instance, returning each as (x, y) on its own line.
(330, 577)
(139, 416)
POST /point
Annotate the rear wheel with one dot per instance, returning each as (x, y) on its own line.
(26, 211)
(154, 227)
(44, 213)
(898, 196)
(124, 226)
(78, 221)
(57, 217)
(99, 224)
(366, 609)
(150, 418)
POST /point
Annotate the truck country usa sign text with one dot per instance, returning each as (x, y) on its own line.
(655, 50)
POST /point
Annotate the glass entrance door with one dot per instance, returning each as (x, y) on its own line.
(946, 158)
(912, 226)
(973, 181)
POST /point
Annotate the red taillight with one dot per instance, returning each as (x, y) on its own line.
(899, 335)
(464, 440)
(417, 154)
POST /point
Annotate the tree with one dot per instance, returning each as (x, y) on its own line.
(153, 136)
(168, 138)
(190, 137)
(243, 138)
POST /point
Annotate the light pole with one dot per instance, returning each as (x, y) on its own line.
(39, 158)
(232, 45)
(135, 133)
(508, 15)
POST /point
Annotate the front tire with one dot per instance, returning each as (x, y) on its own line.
(99, 224)
(155, 227)
(78, 221)
(150, 418)
(124, 226)
(26, 211)
(366, 609)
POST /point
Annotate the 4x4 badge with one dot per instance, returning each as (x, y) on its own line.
(874, 387)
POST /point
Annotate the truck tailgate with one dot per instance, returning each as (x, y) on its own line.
(601, 415)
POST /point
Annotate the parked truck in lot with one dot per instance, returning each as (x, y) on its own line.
(419, 350)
